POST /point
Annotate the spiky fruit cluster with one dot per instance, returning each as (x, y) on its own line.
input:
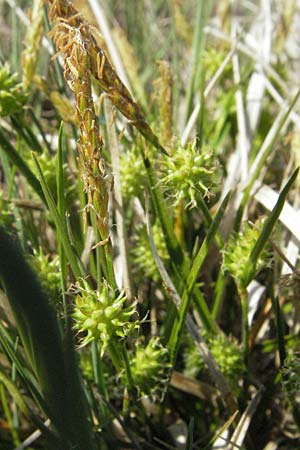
(150, 368)
(48, 271)
(237, 251)
(133, 174)
(188, 172)
(103, 317)
(227, 353)
(12, 95)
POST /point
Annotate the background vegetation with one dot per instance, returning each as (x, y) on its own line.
(149, 225)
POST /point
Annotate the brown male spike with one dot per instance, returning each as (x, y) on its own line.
(67, 19)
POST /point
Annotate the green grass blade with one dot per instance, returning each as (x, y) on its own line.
(203, 251)
(54, 365)
(174, 340)
(18, 398)
(61, 208)
(21, 165)
(189, 440)
(71, 254)
(279, 329)
(36, 324)
(26, 132)
(267, 229)
(15, 393)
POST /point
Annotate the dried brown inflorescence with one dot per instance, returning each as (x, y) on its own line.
(70, 22)
(71, 38)
(84, 61)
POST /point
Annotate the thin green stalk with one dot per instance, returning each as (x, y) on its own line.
(189, 441)
(71, 253)
(21, 165)
(40, 128)
(174, 340)
(245, 324)
(26, 133)
(15, 412)
(115, 356)
(218, 295)
(8, 415)
(61, 208)
(130, 381)
(279, 329)
(24, 408)
(97, 369)
(104, 261)
(175, 251)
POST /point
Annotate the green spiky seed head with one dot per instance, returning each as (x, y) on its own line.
(150, 367)
(227, 353)
(188, 172)
(103, 317)
(237, 251)
(48, 271)
(133, 174)
(12, 95)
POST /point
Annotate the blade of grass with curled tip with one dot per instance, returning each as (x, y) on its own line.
(267, 230)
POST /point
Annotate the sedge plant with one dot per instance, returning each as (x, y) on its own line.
(148, 162)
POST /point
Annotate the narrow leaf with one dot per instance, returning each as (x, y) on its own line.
(73, 259)
(267, 229)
